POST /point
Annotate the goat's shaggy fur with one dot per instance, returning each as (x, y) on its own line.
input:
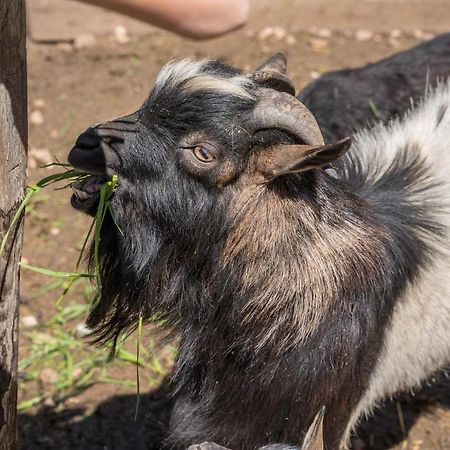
(304, 291)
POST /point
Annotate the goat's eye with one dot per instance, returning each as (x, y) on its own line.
(202, 154)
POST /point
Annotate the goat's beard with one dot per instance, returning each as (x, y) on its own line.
(132, 269)
(143, 274)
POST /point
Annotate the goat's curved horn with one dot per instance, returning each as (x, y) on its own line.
(282, 111)
(272, 74)
(273, 80)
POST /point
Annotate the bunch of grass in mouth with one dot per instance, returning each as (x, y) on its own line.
(70, 176)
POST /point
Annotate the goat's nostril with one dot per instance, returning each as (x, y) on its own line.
(89, 140)
(87, 154)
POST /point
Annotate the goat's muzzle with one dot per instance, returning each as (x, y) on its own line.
(95, 152)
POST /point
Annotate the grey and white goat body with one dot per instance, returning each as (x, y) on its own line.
(294, 287)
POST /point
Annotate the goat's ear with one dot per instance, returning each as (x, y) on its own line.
(291, 158)
(314, 436)
(276, 62)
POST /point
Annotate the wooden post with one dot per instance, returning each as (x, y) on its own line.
(13, 158)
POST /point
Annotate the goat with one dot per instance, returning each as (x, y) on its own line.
(293, 287)
(347, 100)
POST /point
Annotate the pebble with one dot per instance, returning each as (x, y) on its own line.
(55, 231)
(395, 34)
(84, 40)
(291, 39)
(363, 35)
(50, 402)
(121, 35)
(28, 321)
(39, 103)
(423, 35)
(36, 117)
(40, 156)
(314, 75)
(278, 33)
(324, 33)
(64, 47)
(48, 376)
(318, 44)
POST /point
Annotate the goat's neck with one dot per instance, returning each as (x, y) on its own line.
(294, 253)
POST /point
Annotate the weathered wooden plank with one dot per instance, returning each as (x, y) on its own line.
(13, 157)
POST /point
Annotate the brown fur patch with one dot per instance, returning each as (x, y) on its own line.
(295, 261)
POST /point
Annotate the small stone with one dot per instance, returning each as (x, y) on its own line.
(395, 34)
(50, 402)
(48, 376)
(423, 35)
(121, 35)
(265, 33)
(364, 35)
(55, 231)
(64, 47)
(314, 75)
(28, 321)
(428, 35)
(82, 330)
(324, 33)
(291, 39)
(39, 157)
(279, 33)
(318, 44)
(417, 33)
(54, 134)
(84, 40)
(39, 103)
(36, 117)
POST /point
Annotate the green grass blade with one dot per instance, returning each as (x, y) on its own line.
(106, 192)
(53, 273)
(374, 109)
(70, 283)
(138, 348)
(22, 406)
(54, 178)
(32, 190)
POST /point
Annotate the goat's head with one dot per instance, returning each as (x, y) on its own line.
(205, 134)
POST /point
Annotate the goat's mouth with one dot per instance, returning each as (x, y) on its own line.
(86, 193)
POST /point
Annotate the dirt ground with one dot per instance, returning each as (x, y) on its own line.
(74, 82)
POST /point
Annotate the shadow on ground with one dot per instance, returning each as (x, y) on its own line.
(112, 426)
